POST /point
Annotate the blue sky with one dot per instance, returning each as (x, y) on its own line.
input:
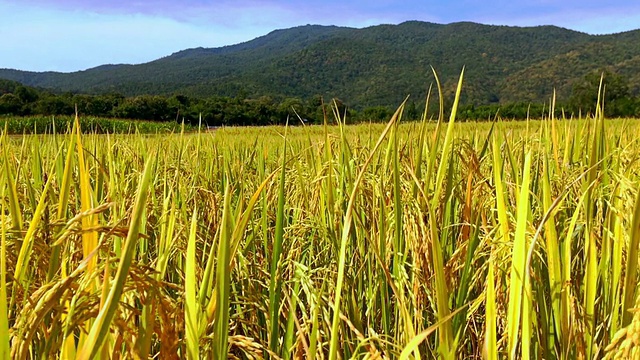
(71, 35)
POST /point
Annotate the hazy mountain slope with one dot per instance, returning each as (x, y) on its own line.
(370, 66)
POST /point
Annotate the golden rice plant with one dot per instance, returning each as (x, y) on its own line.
(411, 240)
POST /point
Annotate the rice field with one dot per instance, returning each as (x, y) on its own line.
(59, 124)
(423, 240)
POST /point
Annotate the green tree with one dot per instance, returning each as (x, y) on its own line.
(376, 114)
(412, 111)
(54, 105)
(26, 94)
(288, 108)
(144, 107)
(10, 104)
(584, 97)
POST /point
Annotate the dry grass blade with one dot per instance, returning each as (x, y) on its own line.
(192, 306)
(5, 349)
(447, 346)
(101, 326)
(14, 202)
(519, 294)
(412, 346)
(275, 283)
(223, 281)
(630, 282)
(27, 243)
(348, 218)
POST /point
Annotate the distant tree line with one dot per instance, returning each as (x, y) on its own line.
(19, 100)
(616, 94)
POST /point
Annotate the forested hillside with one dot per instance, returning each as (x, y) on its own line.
(513, 70)
(378, 65)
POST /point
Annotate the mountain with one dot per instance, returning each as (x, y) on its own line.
(378, 65)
